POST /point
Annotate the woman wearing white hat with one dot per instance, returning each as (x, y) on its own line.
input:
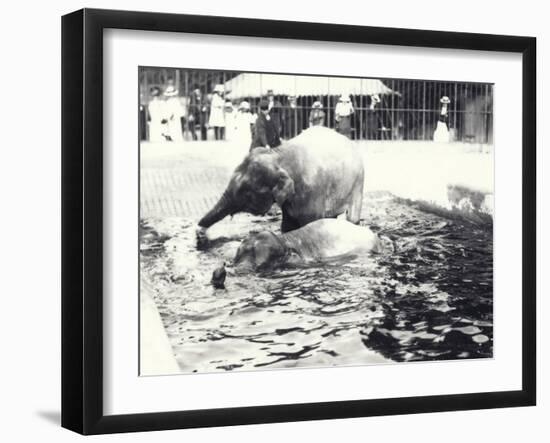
(441, 133)
(230, 120)
(217, 117)
(174, 112)
(244, 120)
(342, 115)
(317, 116)
(157, 117)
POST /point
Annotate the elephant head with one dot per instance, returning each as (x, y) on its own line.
(262, 251)
(255, 185)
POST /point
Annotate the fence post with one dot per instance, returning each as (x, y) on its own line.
(423, 110)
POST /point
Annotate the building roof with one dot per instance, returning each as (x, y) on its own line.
(257, 85)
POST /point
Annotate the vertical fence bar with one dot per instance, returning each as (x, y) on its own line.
(487, 113)
(463, 119)
(390, 112)
(395, 107)
(423, 110)
(296, 109)
(260, 92)
(405, 112)
(360, 113)
(328, 100)
(186, 93)
(455, 100)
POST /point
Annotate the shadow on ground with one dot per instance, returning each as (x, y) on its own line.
(53, 417)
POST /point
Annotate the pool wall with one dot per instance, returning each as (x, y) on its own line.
(453, 179)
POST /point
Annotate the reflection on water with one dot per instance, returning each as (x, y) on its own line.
(429, 299)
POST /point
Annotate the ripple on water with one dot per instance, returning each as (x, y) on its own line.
(431, 299)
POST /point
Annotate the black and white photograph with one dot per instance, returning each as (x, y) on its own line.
(275, 222)
(307, 221)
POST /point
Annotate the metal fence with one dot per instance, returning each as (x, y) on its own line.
(407, 110)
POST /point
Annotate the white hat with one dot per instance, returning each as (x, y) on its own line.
(244, 105)
(344, 98)
(445, 99)
(218, 88)
(170, 91)
(317, 104)
(375, 98)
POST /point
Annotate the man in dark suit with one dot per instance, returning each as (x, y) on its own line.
(275, 111)
(293, 118)
(197, 115)
(266, 133)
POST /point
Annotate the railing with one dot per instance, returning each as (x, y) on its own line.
(409, 112)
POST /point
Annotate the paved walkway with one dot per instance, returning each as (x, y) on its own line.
(185, 179)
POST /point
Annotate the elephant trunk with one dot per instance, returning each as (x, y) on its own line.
(221, 209)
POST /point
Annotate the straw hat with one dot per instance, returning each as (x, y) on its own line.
(244, 105)
(445, 100)
(317, 105)
(344, 98)
(218, 88)
(375, 98)
(170, 91)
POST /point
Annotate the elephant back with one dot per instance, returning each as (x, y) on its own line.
(322, 160)
(326, 238)
(326, 145)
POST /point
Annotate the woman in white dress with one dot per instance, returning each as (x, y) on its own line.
(217, 117)
(174, 113)
(157, 117)
(244, 120)
(230, 121)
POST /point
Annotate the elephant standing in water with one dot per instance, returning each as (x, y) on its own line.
(318, 174)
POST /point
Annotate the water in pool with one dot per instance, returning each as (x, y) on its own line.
(428, 297)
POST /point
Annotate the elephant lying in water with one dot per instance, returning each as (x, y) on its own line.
(319, 240)
(318, 174)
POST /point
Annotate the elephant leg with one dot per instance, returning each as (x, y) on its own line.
(354, 211)
(354, 214)
(289, 223)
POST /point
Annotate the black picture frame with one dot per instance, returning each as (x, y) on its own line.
(82, 221)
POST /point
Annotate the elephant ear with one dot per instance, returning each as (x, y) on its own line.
(284, 188)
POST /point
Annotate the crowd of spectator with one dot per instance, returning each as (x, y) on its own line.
(169, 115)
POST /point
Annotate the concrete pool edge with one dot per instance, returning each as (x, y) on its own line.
(156, 353)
